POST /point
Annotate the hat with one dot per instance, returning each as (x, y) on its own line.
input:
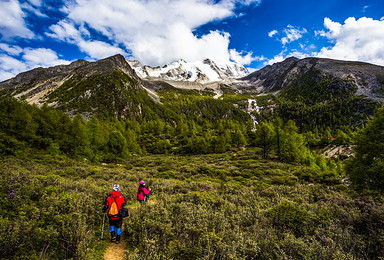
(143, 182)
(116, 187)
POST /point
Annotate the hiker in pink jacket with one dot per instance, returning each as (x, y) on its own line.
(143, 192)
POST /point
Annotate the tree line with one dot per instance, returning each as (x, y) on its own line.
(109, 140)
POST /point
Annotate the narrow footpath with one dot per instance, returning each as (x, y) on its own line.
(119, 251)
(116, 251)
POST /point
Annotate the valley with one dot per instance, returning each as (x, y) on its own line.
(281, 163)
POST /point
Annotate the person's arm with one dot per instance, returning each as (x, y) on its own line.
(105, 208)
(124, 203)
(146, 191)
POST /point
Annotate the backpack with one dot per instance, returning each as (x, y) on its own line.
(124, 213)
(113, 211)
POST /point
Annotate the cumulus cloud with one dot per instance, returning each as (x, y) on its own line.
(41, 57)
(14, 60)
(155, 32)
(12, 22)
(361, 40)
(292, 34)
(65, 30)
(244, 59)
(98, 49)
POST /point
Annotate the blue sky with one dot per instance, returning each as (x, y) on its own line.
(254, 33)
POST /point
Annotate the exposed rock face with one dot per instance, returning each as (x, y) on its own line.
(367, 78)
(338, 151)
(33, 85)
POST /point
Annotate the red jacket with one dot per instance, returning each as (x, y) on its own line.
(115, 196)
(142, 192)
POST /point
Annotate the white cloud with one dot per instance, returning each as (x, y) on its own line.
(361, 40)
(155, 32)
(278, 58)
(65, 30)
(292, 34)
(9, 49)
(30, 58)
(284, 54)
(42, 57)
(98, 49)
(12, 22)
(32, 9)
(11, 64)
(36, 3)
(272, 33)
(249, 2)
(243, 59)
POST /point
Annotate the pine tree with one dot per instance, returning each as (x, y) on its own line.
(116, 144)
(366, 168)
(265, 138)
(327, 136)
(78, 143)
(278, 124)
(293, 147)
(238, 137)
(132, 144)
(341, 137)
(97, 139)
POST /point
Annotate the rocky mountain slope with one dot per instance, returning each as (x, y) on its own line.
(108, 86)
(35, 84)
(361, 78)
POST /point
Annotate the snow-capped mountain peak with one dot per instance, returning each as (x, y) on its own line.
(201, 72)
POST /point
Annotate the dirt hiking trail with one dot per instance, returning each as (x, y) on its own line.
(116, 251)
(119, 251)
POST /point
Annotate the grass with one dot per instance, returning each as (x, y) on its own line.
(217, 206)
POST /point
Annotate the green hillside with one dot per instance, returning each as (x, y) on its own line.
(318, 101)
(231, 206)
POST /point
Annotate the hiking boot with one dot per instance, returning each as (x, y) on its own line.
(113, 236)
(118, 239)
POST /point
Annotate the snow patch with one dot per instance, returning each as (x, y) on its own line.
(203, 72)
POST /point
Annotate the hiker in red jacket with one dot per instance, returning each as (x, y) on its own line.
(143, 192)
(112, 206)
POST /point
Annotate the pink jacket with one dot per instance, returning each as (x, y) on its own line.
(142, 192)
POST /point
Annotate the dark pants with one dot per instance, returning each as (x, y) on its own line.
(115, 225)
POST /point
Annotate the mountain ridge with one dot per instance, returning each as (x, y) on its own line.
(33, 85)
(366, 77)
(206, 71)
(113, 86)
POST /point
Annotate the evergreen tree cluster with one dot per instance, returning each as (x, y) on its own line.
(288, 145)
(366, 168)
(107, 139)
(24, 126)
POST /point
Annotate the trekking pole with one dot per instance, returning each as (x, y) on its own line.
(102, 229)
